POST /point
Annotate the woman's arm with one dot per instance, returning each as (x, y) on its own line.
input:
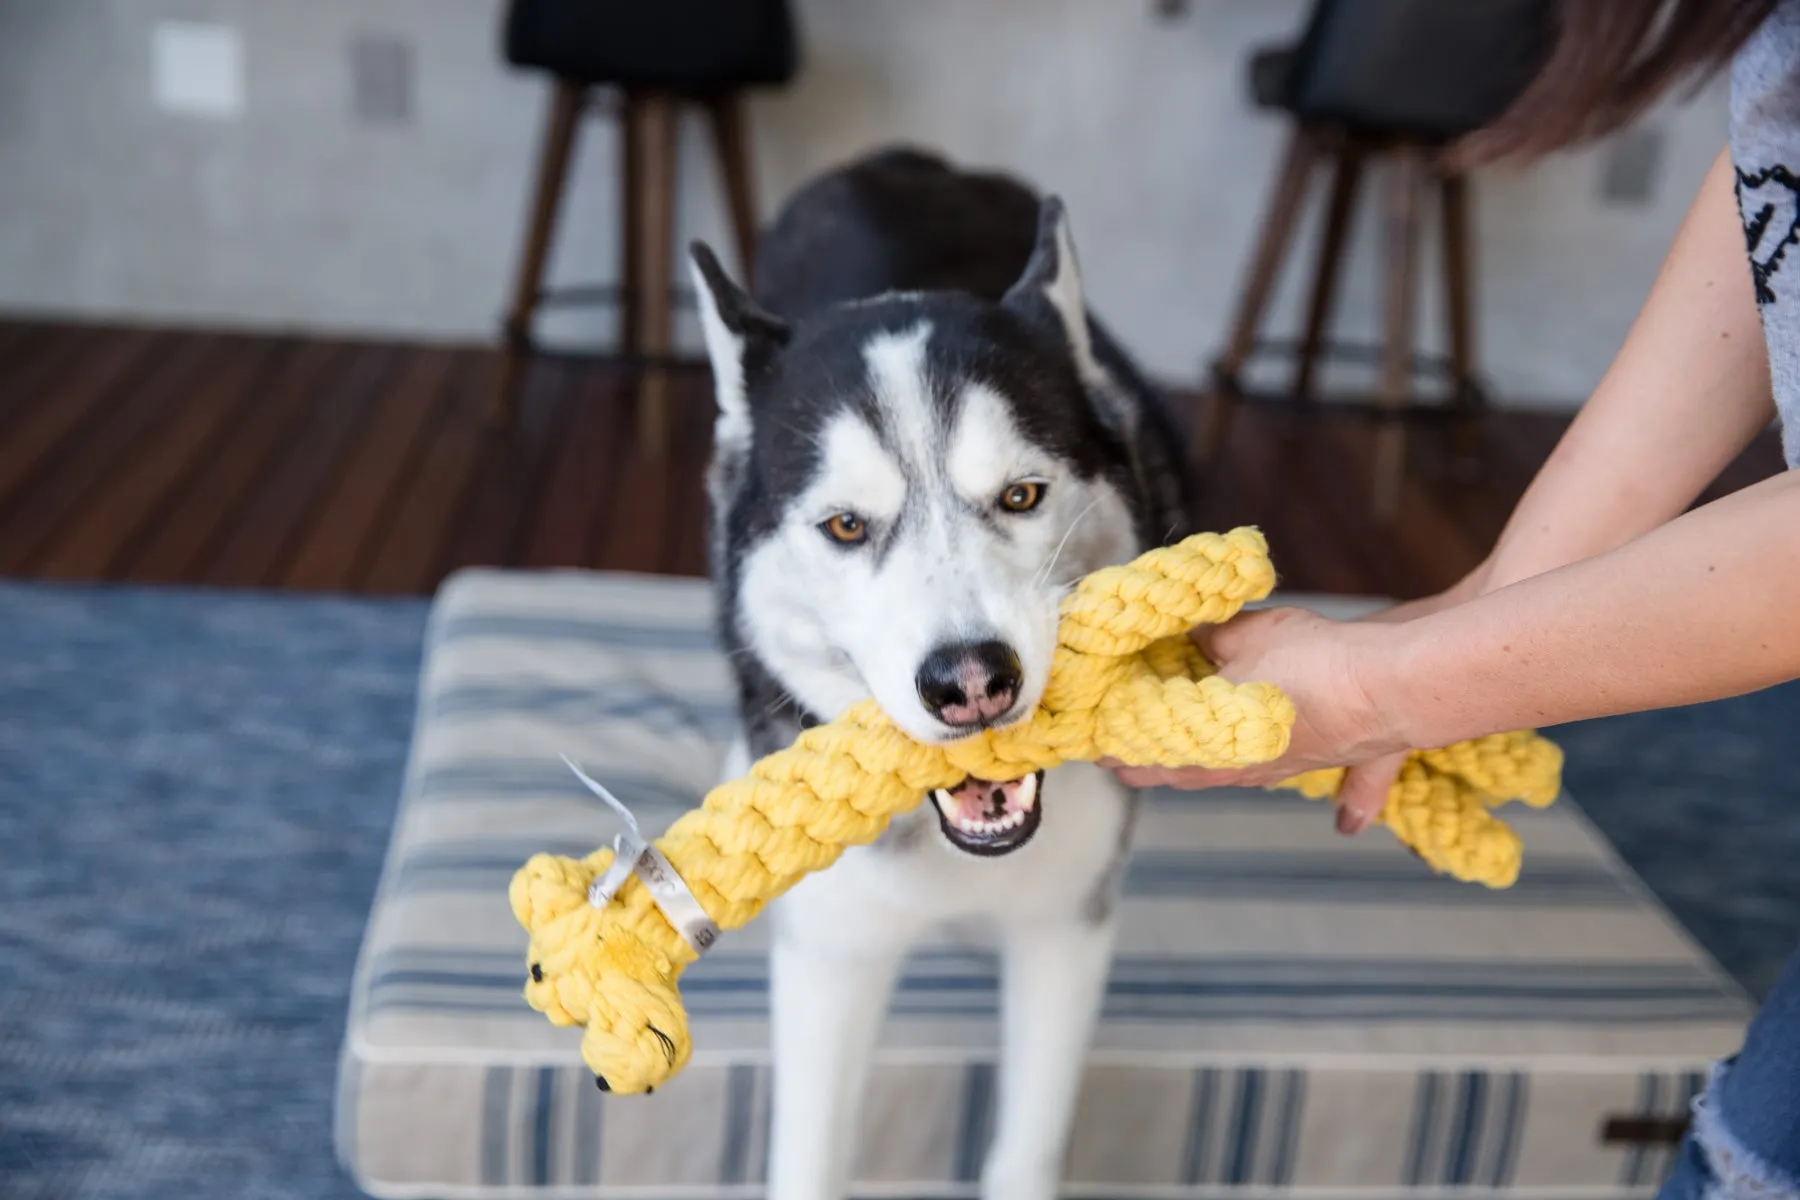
(1700, 609)
(1687, 392)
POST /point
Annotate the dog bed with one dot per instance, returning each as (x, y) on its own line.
(1288, 1010)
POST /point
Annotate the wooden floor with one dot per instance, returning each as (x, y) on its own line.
(221, 459)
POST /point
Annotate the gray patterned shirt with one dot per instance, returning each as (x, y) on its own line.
(1765, 150)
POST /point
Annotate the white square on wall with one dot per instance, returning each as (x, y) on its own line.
(197, 69)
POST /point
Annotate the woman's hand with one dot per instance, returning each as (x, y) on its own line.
(1366, 784)
(1325, 667)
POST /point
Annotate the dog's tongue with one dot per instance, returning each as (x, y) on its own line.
(980, 800)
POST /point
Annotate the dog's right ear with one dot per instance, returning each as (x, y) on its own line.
(740, 336)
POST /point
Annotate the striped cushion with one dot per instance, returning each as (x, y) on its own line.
(1288, 1010)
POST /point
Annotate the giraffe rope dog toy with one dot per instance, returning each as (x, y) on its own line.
(610, 935)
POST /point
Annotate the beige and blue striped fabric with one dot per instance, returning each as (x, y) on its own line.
(1288, 1012)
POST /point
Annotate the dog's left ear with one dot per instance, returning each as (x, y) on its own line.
(1049, 291)
(740, 337)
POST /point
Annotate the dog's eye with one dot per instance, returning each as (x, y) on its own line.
(1023, 496)
(847, 528)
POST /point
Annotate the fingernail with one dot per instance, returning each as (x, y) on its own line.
(1350, 821)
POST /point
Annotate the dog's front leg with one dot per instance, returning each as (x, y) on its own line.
(1055, 981)
(830, 978)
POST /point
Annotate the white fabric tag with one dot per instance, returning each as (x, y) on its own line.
(632, 854)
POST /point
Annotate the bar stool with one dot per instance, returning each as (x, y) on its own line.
(1383, 83)
(654, 60)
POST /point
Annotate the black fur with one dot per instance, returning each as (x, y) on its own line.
(897, 220)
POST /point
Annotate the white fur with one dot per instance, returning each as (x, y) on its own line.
(902, 382)
(986, 452)
(858, 474)
(837, 626)
(842, 934)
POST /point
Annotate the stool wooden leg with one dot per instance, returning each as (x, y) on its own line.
(1458, 309)
(655, 128)
(553, 170)
(1259, 284)
(631, 264)
(1346, 174)
(1398, 309)
(731, 141)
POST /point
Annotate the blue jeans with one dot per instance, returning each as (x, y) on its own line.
(1745, 1139)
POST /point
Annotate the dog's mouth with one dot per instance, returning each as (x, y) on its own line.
(991, 819)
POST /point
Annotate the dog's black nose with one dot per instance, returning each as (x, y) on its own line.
(970, 683)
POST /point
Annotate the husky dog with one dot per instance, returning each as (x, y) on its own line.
(922, 439)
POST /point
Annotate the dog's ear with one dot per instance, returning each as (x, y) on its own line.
(740, 336)
(1049, 290)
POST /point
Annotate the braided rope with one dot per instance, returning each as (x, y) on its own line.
(1124, 684)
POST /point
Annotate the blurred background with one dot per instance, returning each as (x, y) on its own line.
(272, 176)
(364, 167)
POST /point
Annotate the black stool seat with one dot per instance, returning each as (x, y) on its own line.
(1433, 70)
(1271, 75)
(677, 45)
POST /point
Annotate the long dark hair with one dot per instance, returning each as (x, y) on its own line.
(1611, 60)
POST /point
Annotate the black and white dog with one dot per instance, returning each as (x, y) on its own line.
(922, 438)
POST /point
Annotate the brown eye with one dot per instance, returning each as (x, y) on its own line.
(1022, 497)
(847, 528)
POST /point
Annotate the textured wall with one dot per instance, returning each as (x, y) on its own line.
(301, 215)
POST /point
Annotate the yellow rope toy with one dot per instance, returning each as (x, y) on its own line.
(1125, 683)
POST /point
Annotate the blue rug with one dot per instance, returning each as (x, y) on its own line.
(195, 796)
(1704, 803)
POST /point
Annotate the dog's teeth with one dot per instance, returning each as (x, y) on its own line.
(944, 800)
(1027, 792)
